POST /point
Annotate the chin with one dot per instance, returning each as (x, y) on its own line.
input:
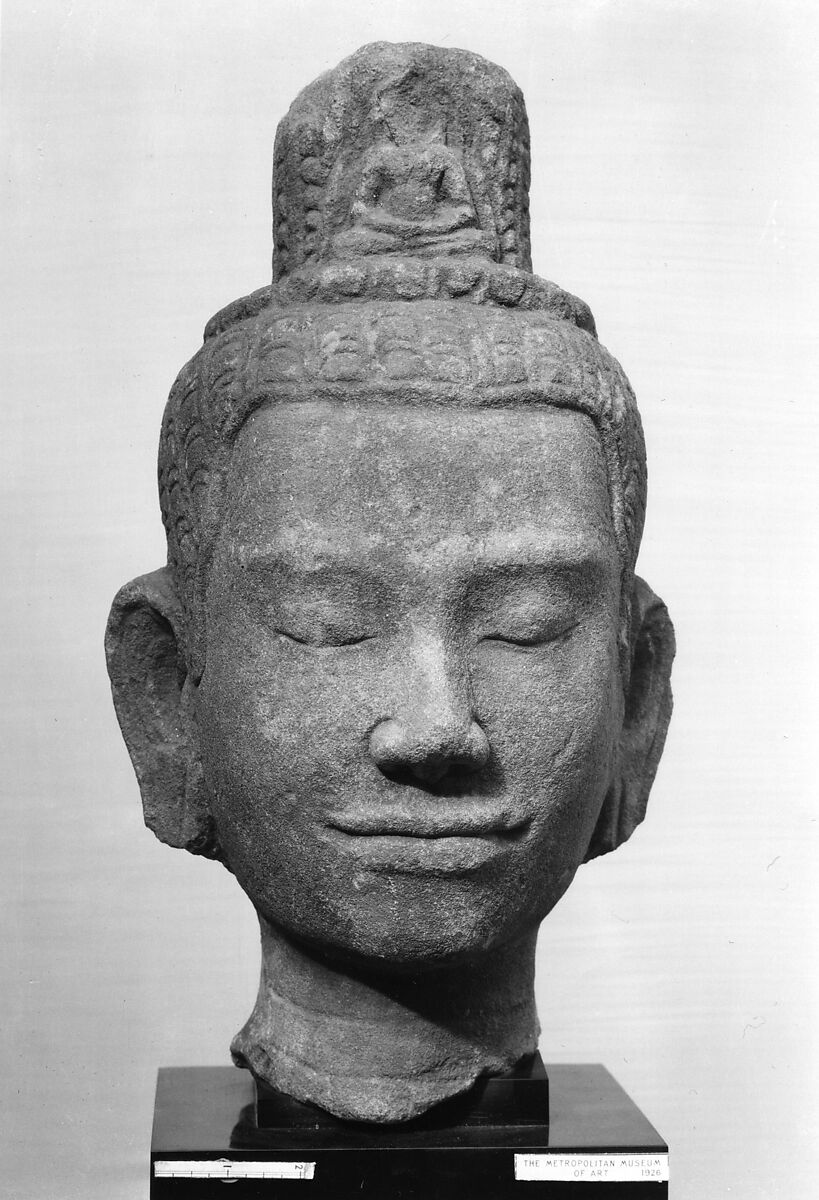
(394, 933)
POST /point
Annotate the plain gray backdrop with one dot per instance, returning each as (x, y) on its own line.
(674, 188)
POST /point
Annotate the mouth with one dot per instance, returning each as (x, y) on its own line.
(422, 843)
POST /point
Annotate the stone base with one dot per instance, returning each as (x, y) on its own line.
(517, 1135)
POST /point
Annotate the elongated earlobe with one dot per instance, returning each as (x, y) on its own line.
(153, 698)
(648, 711)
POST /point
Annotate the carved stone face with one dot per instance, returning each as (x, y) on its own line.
(412, 695)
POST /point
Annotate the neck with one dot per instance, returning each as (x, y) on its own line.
(377, 1047)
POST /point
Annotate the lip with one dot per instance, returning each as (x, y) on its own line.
(433, 846)
(450, 820)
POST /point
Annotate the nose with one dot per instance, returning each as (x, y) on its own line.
(433, 731)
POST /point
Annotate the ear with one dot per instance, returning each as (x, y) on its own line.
(647, 713)
(154, 701)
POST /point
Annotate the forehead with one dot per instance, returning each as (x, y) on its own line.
(417, 475)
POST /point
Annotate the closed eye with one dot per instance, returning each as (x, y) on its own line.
(535, 638)
(324, 638)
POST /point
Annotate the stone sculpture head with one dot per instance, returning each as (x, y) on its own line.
(399, 674)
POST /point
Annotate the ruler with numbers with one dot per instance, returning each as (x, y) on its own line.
(227, 1168)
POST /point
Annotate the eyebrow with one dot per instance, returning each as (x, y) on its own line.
(533, 551)
(580, 574)
(295, 560)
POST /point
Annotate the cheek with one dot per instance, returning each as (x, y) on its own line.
(280, 744)
(277, 719)
(553, 725)
(553, 716)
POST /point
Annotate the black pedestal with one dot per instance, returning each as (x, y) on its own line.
(514, 1137)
